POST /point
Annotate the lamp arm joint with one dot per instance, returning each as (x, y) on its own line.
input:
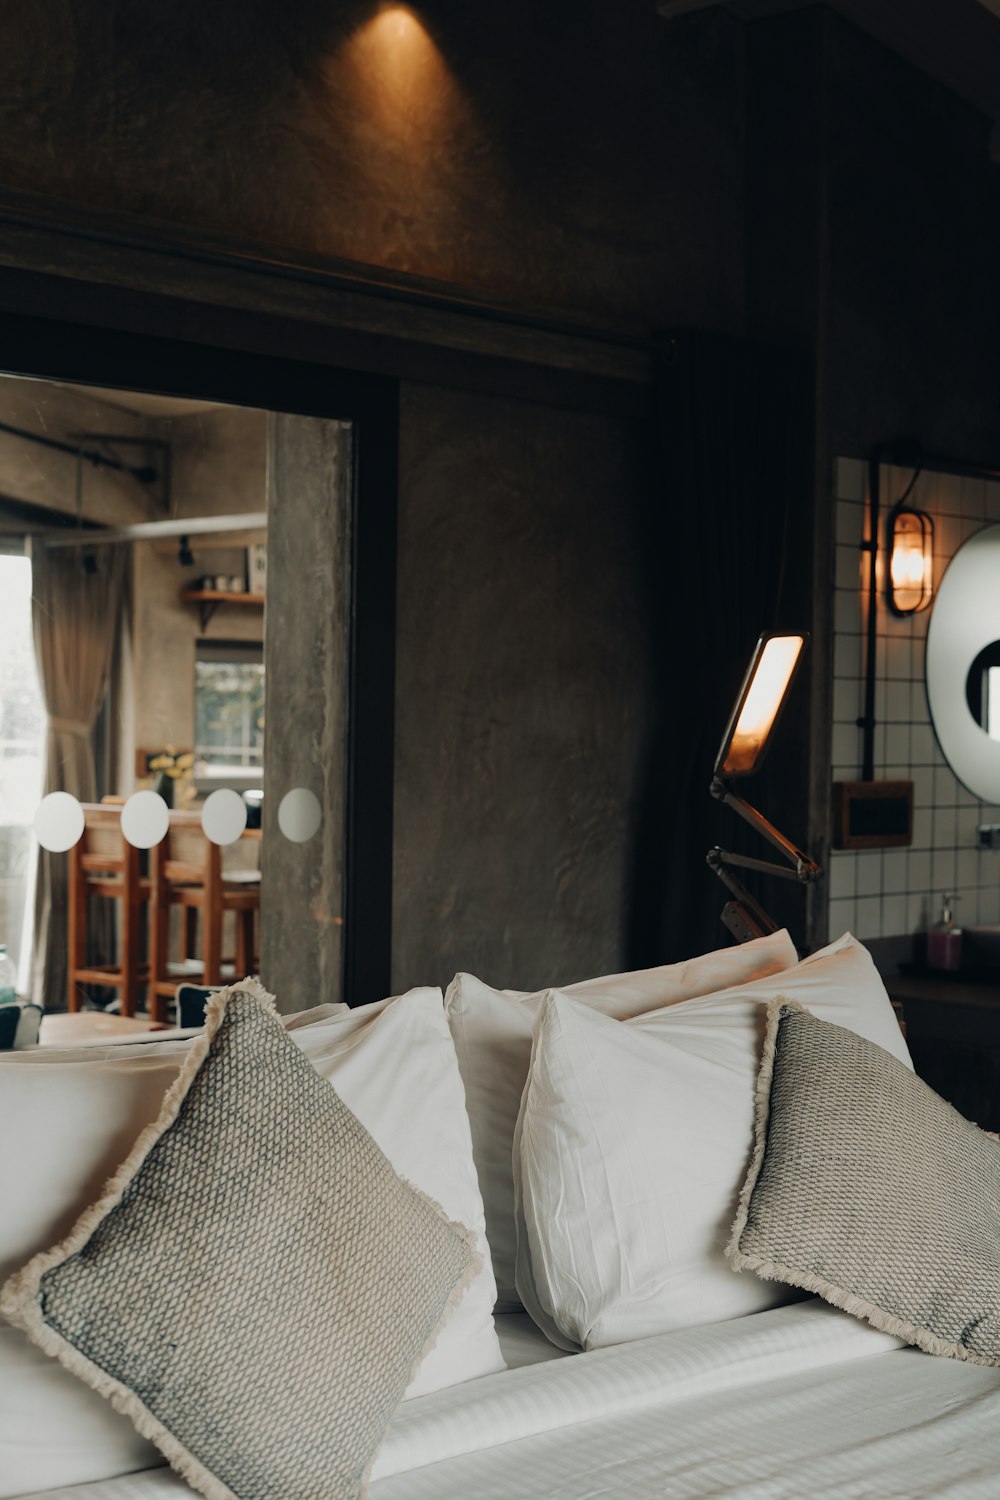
(805, 869)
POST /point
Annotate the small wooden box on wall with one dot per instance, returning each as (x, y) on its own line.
(872, 814)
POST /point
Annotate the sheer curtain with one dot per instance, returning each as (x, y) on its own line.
(75, 619)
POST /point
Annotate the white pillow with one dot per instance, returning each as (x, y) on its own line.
(633, 1142)
(492, 1031)
(69, 1117)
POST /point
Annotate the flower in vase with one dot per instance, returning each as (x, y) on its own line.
(173, 774)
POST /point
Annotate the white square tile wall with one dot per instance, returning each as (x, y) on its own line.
(894, 892)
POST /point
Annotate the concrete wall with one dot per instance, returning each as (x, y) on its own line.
(302, 891)
(791, 179)
(41, 476)
(219, 467)
(521, 155)
(165, 635)
(581, 160)
(522, 689)
(219, 461)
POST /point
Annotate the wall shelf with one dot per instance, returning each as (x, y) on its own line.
(208, 601)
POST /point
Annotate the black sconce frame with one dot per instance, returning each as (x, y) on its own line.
(927, 532)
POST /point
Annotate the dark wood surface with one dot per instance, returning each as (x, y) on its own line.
(953, 1032)
(946, 990)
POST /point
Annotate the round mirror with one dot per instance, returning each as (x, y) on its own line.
(963, 664)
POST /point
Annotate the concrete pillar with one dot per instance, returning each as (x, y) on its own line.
(306, 656)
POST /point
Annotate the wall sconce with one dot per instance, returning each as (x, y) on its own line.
(750, 729)
(907, 574)
(910, 574)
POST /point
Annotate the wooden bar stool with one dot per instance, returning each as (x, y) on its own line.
(104, 864)
(186, 870)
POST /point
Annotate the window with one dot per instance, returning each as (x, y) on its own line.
(229, 705)
(22, 734)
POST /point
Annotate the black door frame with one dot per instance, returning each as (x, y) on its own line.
(91, 347)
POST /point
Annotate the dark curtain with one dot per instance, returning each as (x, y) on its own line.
(75, 618)
(729, 550)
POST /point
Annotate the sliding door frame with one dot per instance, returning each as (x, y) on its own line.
(98, 350)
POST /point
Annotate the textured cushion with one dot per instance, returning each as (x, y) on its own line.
(87, 1106)
(492, 1031)
(86, 1103)
(256, 1284)
(867, 1188)
(633, 1143)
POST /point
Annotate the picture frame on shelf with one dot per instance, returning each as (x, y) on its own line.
(257, 568)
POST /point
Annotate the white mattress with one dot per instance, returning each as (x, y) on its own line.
(799, 1401)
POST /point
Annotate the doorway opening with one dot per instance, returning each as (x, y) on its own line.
(332, 441)
(22, 739)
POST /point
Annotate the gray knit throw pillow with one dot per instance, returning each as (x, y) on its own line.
(868, 1189)
(256, 1284)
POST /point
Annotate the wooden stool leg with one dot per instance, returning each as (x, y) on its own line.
(244, 943)
(127, 988)
(190, 931)
(159, 936)
(131, 917)
(212, 917)
(76, 936)
(212, 946)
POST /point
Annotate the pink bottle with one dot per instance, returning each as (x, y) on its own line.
(944, 940)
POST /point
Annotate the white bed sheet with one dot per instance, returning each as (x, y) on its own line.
(522, 1342)
(801, 1401)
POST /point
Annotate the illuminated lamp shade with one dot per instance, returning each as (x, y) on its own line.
(910, 574)
(759, 704)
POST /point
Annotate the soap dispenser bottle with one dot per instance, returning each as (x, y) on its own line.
(944, 941)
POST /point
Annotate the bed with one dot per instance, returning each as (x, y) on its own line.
(796, 1401)
(643, 1384)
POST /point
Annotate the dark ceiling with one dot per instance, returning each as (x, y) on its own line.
(955, 41)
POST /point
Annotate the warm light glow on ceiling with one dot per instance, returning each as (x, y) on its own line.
(397, 26)
(407, 147)
(407, 87)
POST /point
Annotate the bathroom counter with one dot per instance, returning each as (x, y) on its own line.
(953, 1032)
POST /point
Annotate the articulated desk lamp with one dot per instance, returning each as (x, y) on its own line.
(748, 733)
